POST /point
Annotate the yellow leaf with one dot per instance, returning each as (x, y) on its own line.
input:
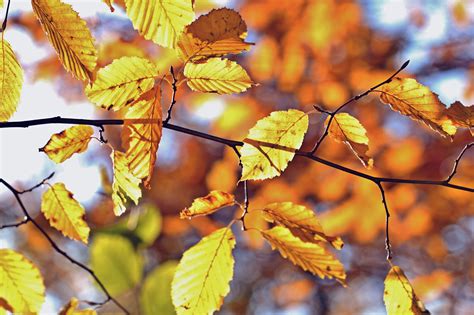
(301, 221)
(142, 132)
(347, 129)
(122, 82)
(125, 185)
(217, 76)
(399, 296)
(309, 256)
(217, 33)
(11, 81)
(63, 145)
(160, 21)
(64, 213)
(462, 116)
(21, 284)
(416, 101)
(69, 35)
(271, 144)
(202, 278)
(209, 204)
(71, 309)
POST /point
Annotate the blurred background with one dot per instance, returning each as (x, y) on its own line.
(306, 52)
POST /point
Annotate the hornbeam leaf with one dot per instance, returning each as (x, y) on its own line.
(462, 116)
(347, 129)
(214, 201)
(64, 213)
(69, 35)
(125, 185)
(63, 145)
(301, 221)
(71, 309)
(412, 99)
(11, 81)
(122, 82)
(202, 278)
(161, 21)
(217, 33)
(21, 283)
(309, 256)
(399, 296)
(217, 75)
(271, 144)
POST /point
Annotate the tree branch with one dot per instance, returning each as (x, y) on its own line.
(458, 159)
(173, 96)
(388, 247)
(5, 20)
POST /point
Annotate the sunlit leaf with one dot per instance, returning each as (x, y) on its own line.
(202, 278)
(71, 309)
(160, 21)
(141, 136)
(416, 101)
(345, 128)
(214, 201)
(462, 116)
(399, 296)
(312, 257)
(11, 81)
(69, 35)
(64, 213)
(115, 262)
(217, 76)
(271, 144)
(21, 283)
(125, 185)
(155, 295)
(63, 145)
(301, 221)
(217, 33)
(122, 82)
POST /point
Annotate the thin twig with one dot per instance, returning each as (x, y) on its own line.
(458, 159)
(101, 134)
(388, 247)
(11, 225)
(5, 20)
(37, 185)
(173, 96)
(355, 98)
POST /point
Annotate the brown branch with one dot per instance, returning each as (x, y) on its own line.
(388, 247)
(173, 96)
(24, 221)
(458, 159)
(5, 20)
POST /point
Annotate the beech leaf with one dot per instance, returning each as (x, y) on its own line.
(125, 185)
(63, 145)
(11, 81)
(212, 202)
(462, 116)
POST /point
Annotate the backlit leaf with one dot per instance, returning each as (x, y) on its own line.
(63, 145)
(69, 35)
(160, 21)
(217, 76)
(399, 296)
(122, 82)
(271, 144)
(312, 257)
(11, 81)
(116, 263)
(125, 185)
(345, 128)
(217, 33)
(416, 101)
(64, 213)
(301, 221)
(21, 283)
(209, 204)
(71, 309)
(155, 296)
(462, 116)
(202, 278)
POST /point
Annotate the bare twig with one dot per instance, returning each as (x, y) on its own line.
(458, 159)
(388, 247)
(5, 20)
(173, 96)
(11, 225)
(37, 185)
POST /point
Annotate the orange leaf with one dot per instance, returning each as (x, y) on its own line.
(208, 204)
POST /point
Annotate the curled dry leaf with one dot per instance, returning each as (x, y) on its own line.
(462, 116)
(214, 201)
(11, 81)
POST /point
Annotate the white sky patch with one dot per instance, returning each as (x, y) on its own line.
(210, 109)
(85, 8)
(392, 12)
(25, 49)
(435, 28)
(450, 89)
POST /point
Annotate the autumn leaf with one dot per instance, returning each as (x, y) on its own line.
(125, 185)
(69, 35)
(301, 221)
(214, 201)
(64, 213)
(271, 144)
(346, 128)
(220, 32)
(71, 309)
(412, 99)
(160, 21)
(63, 145)
(201, 280)
(122, 82)
(217, 75)
(141, 136)
(462, 116)
(11, 81)
(155, 295)
(399, 296)
(311, 257)
(21, 285)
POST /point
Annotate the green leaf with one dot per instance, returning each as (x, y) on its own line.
(155, 296)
